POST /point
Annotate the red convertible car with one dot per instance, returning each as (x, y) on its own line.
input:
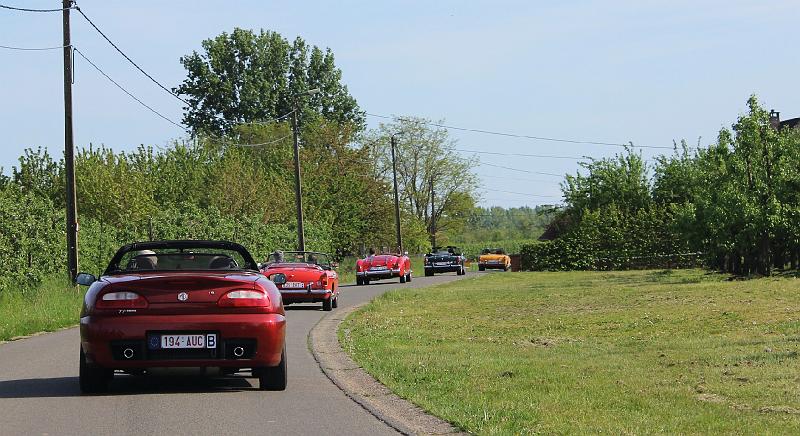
(304, 277)
(195, 304)
(383, 266)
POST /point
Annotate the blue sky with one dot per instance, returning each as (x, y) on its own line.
(644, 71)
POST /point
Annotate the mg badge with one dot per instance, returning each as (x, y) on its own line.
(183, 296)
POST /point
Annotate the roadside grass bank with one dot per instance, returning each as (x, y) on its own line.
(50, 306)
(588, 352)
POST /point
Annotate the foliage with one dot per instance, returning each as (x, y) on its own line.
(635, 352)
(485, 225)
(246, 76)
(426, 161)
(736, 201)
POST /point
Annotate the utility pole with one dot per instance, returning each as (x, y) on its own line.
(396, 199)
(298, 195)
(433, 216)
(69, 157)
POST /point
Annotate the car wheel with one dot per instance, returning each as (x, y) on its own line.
(403, 278)
(359, 281)
(327, 304)
(505, 268)
(92, 378)
(335, 303)
(481, 268)
(273, 378)
(408, 278)
(428, 273)
(365, 281)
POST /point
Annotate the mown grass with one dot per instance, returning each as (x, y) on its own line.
(52, 305)
(639, 352)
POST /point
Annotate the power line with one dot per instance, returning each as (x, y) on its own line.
(128, 58)
(515, 135)
(14, 8)
(8, 47)
(519, 179)
(519, 170)
(497, 153)
(520, 193)
(126, 91)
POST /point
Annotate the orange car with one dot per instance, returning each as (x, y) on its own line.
(494, 258)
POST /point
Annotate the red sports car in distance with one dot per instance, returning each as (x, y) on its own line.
(187, 304)
(304, 277)
(383, 266)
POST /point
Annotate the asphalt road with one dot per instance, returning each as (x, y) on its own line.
(39, 390)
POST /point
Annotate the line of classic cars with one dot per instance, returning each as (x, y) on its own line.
(209, 306)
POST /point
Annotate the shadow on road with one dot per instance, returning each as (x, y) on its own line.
(122, 385)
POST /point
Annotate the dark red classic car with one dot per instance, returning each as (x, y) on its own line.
(189, 304)
(304, 277)
(383, 266)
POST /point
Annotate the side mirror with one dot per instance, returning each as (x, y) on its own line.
(278, 279)
(85, 279)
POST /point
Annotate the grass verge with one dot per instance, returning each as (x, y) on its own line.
(52, 305)
(589, 352)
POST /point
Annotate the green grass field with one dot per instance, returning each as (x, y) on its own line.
(680, 352)
(54, 304)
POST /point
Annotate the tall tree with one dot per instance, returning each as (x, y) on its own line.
(426, 163)
(246, 76)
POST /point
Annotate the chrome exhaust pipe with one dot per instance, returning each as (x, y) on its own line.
(238, 351)
(128, 353)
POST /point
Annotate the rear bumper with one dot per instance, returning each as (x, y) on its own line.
(301, 296)
(487, 265)
(443, 268)
(381, 274)
(261, 336)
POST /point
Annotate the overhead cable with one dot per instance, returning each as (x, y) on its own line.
(129, 59)
(515, 135)
(8, 47)
(14, 8)
(497, 153)
(126, 91)
(519, 170)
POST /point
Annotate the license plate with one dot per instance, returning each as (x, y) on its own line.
(378, 268)
(294, 285)
(188, 341)
(442, 263)
(494, 261)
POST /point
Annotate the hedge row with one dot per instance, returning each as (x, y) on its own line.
(609, 239)
(32, 236)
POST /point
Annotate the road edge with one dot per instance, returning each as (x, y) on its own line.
(398, 413)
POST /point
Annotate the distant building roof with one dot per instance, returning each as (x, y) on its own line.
(793, 123)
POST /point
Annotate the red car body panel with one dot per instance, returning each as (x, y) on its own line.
(318, 284)
(383, 266)
(262, 329)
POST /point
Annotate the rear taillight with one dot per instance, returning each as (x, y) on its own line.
(121, 300)
(323, 280)
(244, 298)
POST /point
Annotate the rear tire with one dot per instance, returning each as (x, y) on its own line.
(92, 378)
(481, 268)
(335, 303)
(365, 281)
(327, 304)
(403, 278)
(408, 277)
(428, 273)
(359, 281)
(273, 378)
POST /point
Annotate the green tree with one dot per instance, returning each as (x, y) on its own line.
(426, 162)
(246, 76)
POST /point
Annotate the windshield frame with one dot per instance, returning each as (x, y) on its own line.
(115, 269)
(289, 255)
